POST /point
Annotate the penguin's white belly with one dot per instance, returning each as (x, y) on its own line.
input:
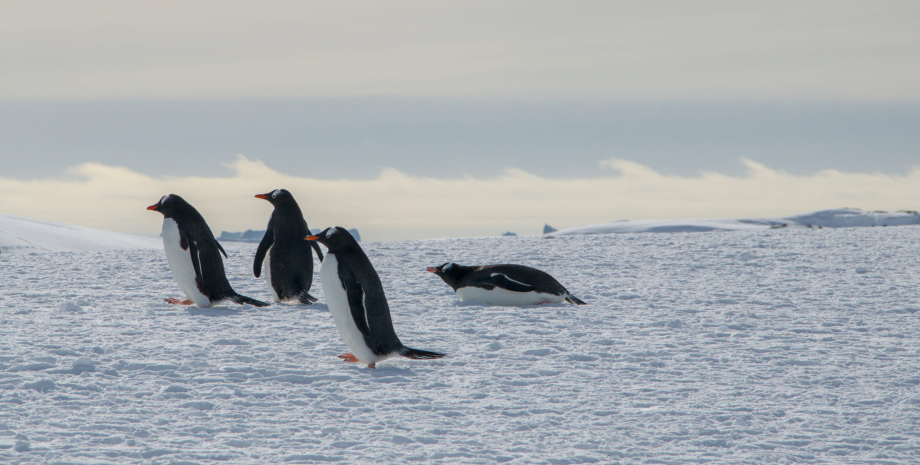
(267, 272)
(506, 298)
(180, 263)
(337, 300)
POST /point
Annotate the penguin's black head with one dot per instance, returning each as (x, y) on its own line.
(336, 238)
(449, 272)
(277, 196)
(168, 205)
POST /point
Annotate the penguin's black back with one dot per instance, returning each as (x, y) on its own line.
(291, 259)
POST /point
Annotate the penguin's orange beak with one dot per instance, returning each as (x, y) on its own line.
(262, 196)
(311, 238)
(152, 207)
(432, 269)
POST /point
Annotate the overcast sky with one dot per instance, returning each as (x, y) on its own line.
(448, 91)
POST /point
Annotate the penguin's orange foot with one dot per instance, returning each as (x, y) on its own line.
(372, 365)
(179, 302)
(349, 358)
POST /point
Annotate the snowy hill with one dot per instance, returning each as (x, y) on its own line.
(837, 218)
(755, 346)
(19, 234)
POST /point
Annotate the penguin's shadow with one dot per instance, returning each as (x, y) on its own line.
(390, 371)
(213, 311)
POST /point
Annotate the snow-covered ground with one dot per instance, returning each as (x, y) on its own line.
(836, 218)
(27, 235)
(765, 346)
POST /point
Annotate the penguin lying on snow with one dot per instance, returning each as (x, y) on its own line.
(506, 285)
(355, 297)
(194, 256)
(283, 255)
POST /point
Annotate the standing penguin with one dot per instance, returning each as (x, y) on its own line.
(508, 285)
(194, 256)
(355, 297)
(283, 255)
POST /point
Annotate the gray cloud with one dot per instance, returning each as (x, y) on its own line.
(842, 50)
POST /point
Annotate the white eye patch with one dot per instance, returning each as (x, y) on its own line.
(448, 266)
(276, 192)
(163, 199)
(331, 232)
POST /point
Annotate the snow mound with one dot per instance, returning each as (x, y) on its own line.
(26, 235)
(836, 218)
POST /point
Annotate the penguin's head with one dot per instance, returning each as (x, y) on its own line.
(276, 196)
(449, 272)
(168, 205)
(335, 238)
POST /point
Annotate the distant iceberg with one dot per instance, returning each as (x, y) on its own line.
(835, 218)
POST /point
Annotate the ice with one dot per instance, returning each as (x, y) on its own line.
(751, 346)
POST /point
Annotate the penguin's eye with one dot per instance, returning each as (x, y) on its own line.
(447, 266)
(330, 233)
(275, 194)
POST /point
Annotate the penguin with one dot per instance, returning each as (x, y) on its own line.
(283, 255)
(356, 300)
(504, 285)
(194, 256)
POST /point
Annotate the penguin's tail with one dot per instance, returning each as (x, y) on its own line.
(243, 300)
(574, 300)
(307, 299)
(419, 354)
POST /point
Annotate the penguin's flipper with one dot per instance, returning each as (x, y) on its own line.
(356, 304)
(307, 299)
(417, 354)
(504, 282)
(242, 300)
(319, 253)
(267, 240)
(196, 262)
(573, 300)
(220, 248)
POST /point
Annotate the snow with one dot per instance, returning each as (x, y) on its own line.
(836, 218)
(751, 346)
(27, 235)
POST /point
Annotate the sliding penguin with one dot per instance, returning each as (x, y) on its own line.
(283, 255)
(504, 285)
(355, 297)
(194, 256)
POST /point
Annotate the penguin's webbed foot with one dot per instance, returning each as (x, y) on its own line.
(175, 301)
(349, 357)
(372, 365)
(307, 299)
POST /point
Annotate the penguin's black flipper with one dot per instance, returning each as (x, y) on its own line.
(319, 253)
(417, 354)
(574, 300)
(266, 242)
(196, 261)
(220, 248)
(307, 299)
(504, 282)
(356, 303)
(242, 300)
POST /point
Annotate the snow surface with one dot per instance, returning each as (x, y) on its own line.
(836, 218)
(26, 235)
(767, 346)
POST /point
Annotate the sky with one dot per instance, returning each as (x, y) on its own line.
(501, 115)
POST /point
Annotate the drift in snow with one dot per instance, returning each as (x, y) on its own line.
(504, 285)
(356, 300)
(283, 255)
(194, 256)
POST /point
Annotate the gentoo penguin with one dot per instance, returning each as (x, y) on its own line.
(194, 256)
(506, 285)
(283, 254)
(355, 297)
